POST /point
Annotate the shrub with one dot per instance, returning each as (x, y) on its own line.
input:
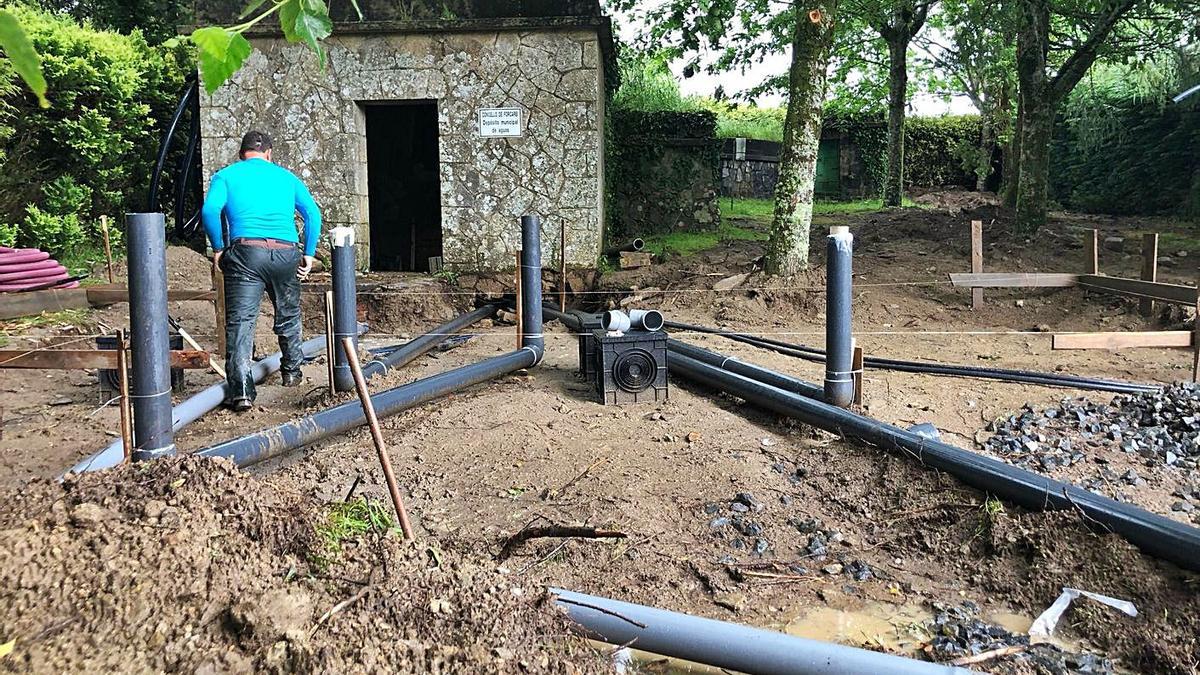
(648, 85)
(91, 152)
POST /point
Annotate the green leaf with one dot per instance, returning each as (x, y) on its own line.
(222, 53)
(288, 12)
(254, 4)
(306, 21)
(24, 57)
(354, 4)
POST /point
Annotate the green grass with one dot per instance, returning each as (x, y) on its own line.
(690, 243)
(345, 521)
(79, 318)
(1170, 243)
(764, 209)
(758, 212)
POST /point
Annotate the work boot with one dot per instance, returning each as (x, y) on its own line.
(240, 405)
(292, 379)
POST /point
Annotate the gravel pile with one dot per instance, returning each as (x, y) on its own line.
(737, 522)
(1161, 427)
(958, 631)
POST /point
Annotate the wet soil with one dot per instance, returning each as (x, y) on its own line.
(479, 465)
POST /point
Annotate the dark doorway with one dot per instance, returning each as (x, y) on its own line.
(403, 185)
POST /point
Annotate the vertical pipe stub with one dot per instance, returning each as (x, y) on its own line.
(345, 303)
(150, 338)
(839, 375)
(531, 285)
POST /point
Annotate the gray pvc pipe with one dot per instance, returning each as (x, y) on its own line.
(298, 433)
(269, 443)
(727, 645)
(422, 344)
(345, 303)
(646, 319)
(616, 320)
(197, 406)
(150, 337)
(839, 346)
(531, 284)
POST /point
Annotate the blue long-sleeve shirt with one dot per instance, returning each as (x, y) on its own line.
(259, 199)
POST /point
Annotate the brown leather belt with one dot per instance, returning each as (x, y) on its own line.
(266, 243)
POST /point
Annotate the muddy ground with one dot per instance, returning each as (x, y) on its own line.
(479, 465)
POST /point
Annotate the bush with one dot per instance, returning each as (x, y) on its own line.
(747, 121)
(92, 151)
(648, 85)
(935, 148)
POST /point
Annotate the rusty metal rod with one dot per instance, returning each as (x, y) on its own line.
(364, 397)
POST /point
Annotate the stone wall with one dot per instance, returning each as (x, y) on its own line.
(663, 169)
(555, 76)
(749, 168)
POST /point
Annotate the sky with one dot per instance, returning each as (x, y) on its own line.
(704, 84)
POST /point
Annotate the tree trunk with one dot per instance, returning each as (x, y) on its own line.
(893, 183)
(1036, 114)
(1035, 167)
(1012, 161)
(787, 249)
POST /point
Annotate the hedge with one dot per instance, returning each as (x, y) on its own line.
(933, 147)
(1144, 159)
(91, 152)
(662, 172)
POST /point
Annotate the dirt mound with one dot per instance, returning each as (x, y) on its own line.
(1040, 553)
(192, 565)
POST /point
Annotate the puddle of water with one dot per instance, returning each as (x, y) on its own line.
(896, 628)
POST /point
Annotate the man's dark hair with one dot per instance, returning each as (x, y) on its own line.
(255, 141)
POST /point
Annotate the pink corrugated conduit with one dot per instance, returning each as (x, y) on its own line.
(25, 269)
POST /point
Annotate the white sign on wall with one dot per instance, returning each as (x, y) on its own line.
(499, 122)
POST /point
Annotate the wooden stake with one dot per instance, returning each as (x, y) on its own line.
(212, 360)
(1091, 247)
(1149, 269)
(107, 248)
(856, 365)
(562, 267)
(520, 319)
(219, 308)
(977, 261)
(364, 397)
(123, 384)
(330, 342)
(1118, 340)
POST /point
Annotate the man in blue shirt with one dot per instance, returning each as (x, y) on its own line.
(261, 251)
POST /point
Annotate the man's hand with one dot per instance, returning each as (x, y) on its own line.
(217, 261)
(303, 270)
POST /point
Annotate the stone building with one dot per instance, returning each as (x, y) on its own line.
(431, 136)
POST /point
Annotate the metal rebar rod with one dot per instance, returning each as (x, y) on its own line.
(364, 397)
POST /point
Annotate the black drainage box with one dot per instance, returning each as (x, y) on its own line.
(631, 368)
